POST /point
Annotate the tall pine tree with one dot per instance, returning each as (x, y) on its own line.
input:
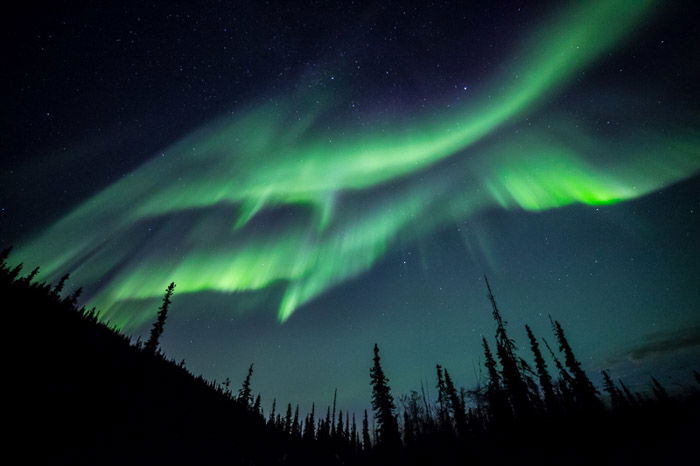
(545, 380)
(584, 391)
(515, 385)
(383, 405)
(159, 325)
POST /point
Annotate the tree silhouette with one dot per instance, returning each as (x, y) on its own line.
(14, 273)
(245, 392)
(309, 425)
(383, 404)
(157, 329)
(514, 383)
(353, 434)
(659, 391)
(456, 404)
(296, 428)
(617, 398)
(495, 396)
(366, 439)
(583, 389)
(288, 420)
(271, 419)
(28, 279)
(543, 376)
(442, 401)
(58, 288)
(256, 405)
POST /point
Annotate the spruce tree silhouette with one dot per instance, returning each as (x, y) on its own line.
(545, 380)
(245, 396)
(256, 405)
(617, 398)
(566, 382)
(332, 418)
(157, 330)
(497, 406)
(339, 429)
(58, 288)
(288, 420)
(271, 419)
(630, 399)
(28, 279)
(514, 382)
(456, 404)
(14, 273)
(310, 424)
(383, 405)
(366, 439)
(442, 402)
(353, 434)
(659, 391)
(584, 391)
(74, 296)
(296, 428)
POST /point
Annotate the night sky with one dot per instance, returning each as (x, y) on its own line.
(318, 177)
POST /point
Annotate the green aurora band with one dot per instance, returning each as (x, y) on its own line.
(276, 199)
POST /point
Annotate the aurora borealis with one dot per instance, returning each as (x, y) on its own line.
(293, 199)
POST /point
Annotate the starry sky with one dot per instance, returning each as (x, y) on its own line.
(322, 176)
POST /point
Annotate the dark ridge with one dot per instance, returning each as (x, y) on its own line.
(86, 394)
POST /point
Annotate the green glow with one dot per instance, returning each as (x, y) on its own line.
(200, 215)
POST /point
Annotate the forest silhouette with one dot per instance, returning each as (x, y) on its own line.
(97, 397)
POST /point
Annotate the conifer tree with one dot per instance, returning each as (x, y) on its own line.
(73, 298)
(339, 432)
(324, 426)
(366, 440)
(498, 408)
(659, 391)
(514, 383)
(296, 428)
(288, 420)
(245, 396)
(442, 401)
(310, 424)
(157, 329)
(256, 405)
(565, 382)
(14, 273)
(455, 402)
(584, 391)
(271, 419)
(383, 404)
(630, 399)
(617, 399)
(543, 376)
(332, 424)
(353, 434)
(28, 279)
(58, 288)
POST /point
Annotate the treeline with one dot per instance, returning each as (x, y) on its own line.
(127, 403)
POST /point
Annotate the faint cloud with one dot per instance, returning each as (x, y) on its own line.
(661, 343)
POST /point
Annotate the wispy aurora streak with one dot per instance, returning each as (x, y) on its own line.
(275, 197)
